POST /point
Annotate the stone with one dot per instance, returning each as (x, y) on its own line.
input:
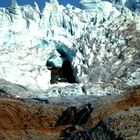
(111, 117)
(98, 50)
(121, 125)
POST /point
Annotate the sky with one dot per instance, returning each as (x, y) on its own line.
(6, 3)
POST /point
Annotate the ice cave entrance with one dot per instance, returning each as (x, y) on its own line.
(64, 73)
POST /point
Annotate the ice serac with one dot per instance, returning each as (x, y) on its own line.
(88, 4)
(131, 4)
(101, 8)
(93, 50)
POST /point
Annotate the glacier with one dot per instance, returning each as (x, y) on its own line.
(97, 45)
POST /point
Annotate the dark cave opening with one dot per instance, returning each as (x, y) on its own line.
(63, 74)
(68, 71)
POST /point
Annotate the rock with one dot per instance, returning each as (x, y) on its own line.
(28, 121)
(76, 117)
(17, 91)
(121, 125)
(55, 94)
(64, 90)
(105, 106)
(111, 117)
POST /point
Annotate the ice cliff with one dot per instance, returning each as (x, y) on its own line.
(62, 51)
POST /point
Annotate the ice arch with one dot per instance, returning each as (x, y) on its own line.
(62, 72)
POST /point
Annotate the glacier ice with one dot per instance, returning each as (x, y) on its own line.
(54, 60)
(100, 41)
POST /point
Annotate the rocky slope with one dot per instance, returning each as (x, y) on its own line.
(109, 118)
(65, 51)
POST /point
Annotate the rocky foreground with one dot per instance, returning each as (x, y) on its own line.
(108, 118)
(62, 51)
